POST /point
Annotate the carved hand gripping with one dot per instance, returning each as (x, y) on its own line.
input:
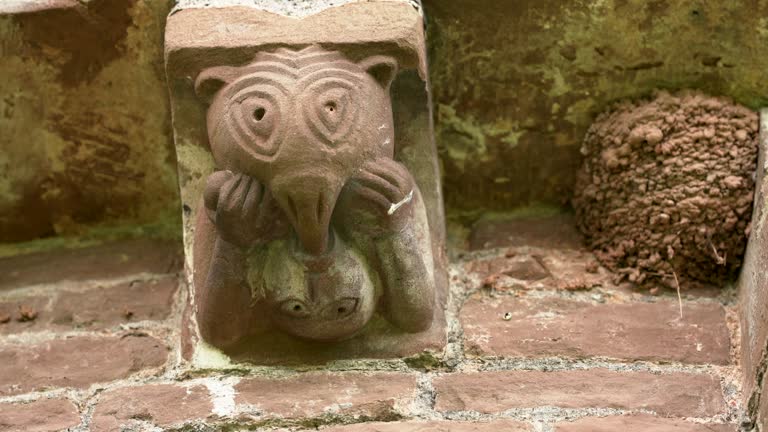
(311, 225)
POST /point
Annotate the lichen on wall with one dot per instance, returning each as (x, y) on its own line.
(517, 83)
(84, 112)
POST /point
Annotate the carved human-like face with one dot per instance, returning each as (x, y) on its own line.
(302, 123)
(328, 297)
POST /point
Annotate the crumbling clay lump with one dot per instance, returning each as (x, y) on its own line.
(665, 191)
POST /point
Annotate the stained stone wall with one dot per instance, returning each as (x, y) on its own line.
(85, 135)
(85, 129)
(518, 82)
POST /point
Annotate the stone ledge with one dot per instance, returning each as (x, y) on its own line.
(374, 395)
(13, 7)
(545, 327)
(644, 423)
(675, 394)
(77, 362)
(39, 416)
(93, 309)
(108, 261)
(191, 33)
(435, 426)
(163, 405)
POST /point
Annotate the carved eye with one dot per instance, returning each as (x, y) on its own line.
(254, 115)
(333, 108)
(260, 116)
(333, 111)
(294, 308)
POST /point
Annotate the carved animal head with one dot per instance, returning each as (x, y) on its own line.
(301, 122)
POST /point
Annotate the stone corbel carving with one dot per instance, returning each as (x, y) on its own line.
(308, 223)
(314, 224)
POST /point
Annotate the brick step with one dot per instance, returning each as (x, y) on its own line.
(357, 396)
(535, 327)
(108, 261)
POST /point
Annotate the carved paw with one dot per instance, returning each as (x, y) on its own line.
(379, 199)
(241, 208)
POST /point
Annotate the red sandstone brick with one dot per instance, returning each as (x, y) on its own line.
(541, 327)
(105, 307)
(106, 261)
(644, 423)
(762, 409)
(435, 426)
(33, 6)
(77, 362)
(315, 393)
(676, 394)
(94, 309)
(163, 405)
(519, 267)
(556, 232)
(39, 416)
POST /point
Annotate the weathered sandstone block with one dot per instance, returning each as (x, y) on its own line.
(312, 207)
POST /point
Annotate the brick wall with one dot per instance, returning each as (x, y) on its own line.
(540, 339)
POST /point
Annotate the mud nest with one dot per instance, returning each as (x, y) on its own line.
(666, 188)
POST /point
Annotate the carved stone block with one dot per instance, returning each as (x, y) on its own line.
(312, 208)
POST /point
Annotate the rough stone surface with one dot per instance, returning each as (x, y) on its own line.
(675, 394)
(161, 405)
(43, 415)
(543, 231)
(760, 413)
(754, 277)
(372, 23)
(546, 327)
(9, 7)
(435, 426)
(76, 362)
(666, 188)
(96, 308)
(375, 395)
(105, 307)
(298, 9)
(105, 261)
(86, 128)
(509, 113)
(642, 423)
(513, 106)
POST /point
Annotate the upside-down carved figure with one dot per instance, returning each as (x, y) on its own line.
(309, 224)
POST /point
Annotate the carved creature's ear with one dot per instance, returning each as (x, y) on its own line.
(382, 68)
(211, 80)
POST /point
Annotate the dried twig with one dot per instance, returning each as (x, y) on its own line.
(679, 297)
(720, 260)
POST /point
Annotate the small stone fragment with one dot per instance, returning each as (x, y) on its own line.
(26, 313)
(577, 284)
(591, 267)
(507, 316)
(4, 318)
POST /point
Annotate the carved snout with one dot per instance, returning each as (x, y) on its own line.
(308, 202)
